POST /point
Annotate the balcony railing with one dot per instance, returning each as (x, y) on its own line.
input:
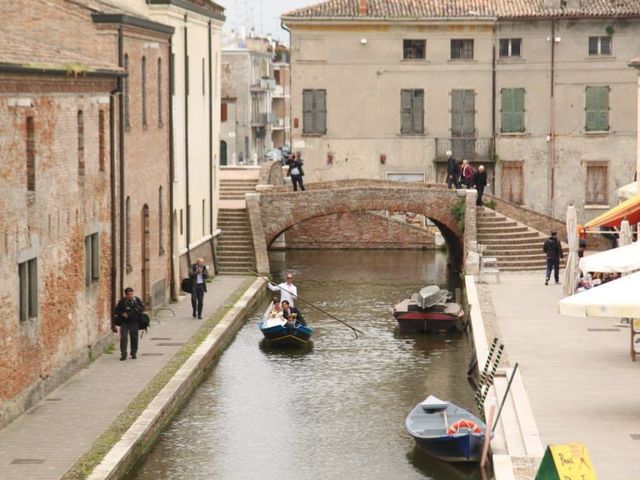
(263, 118)
(469, 148)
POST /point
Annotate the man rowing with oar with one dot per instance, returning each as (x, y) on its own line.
(288, 291)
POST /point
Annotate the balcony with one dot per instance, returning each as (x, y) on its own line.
(469, 148)
(260, 119)
(281, 91)
(264, 85)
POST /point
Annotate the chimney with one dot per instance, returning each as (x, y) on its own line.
(362, 7)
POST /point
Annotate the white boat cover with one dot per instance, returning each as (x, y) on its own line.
(434, 403)
(275, 321)
(617, 299)
(622, 259)
(430, 295)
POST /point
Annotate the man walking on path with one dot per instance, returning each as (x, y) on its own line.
(553, 248)
(198, 275)
(452, 171)
(288, 291)
(128, 311)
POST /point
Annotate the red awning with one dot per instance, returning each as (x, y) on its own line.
(629, 209)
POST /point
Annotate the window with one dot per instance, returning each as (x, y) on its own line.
(125, 83)
(461, 49)
(31, 155)
(81, 145)
(597, 109)
(160, 120)
(314, 108)
(143, 92)
(411, 112)
(223, 112)
(28, 273)
(600, 45)
(127, 234)
(102, 147)
(160, 222)
(510, 47)
(91, 258)
(512, 110)
(181, 229)
(414, 49)
(596, 185)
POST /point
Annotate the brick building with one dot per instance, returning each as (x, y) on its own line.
(55, 195)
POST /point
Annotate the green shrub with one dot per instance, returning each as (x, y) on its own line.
(458, 213)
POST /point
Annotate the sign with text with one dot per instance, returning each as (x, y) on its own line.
(566, 462)
(635, 338)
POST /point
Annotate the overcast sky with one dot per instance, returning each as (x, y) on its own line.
(263, 15)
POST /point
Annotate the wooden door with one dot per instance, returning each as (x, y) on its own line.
(512, 185)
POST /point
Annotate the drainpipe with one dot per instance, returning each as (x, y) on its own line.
(284, 27)
(112, 192)
(552, 118)
(172, 284)
(493, 100)
(186, 137)
(211, 166)
(121, 159)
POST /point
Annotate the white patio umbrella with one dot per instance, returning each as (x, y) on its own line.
(621, 260)
(626, 237)
(618, 299)
(571, 267)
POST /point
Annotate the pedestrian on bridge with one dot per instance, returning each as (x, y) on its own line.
(453, 171)
(479, 181)
(295, 171)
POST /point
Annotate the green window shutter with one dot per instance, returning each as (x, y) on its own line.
(417, 107)
(320, 111)
(457, 113)
(469, 118)
(406, 103)
(518, 109)
(506, 110)
(603, 114)
(307, 112)
(597, 108)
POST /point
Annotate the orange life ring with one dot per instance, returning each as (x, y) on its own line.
(468, 424)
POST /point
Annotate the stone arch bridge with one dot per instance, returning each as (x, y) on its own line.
(275, 208)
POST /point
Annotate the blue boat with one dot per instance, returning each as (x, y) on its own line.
(446, 431)
(280, 332)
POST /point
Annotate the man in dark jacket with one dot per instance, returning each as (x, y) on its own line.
(553, 248)
(127, 312)
(479, 181)
(198, 275)
(292, 314)
(452, 171)
(295, 171)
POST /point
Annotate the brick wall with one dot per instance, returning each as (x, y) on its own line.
(50, 225)
(357, 230)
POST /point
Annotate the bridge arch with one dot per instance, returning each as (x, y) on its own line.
(275, 210)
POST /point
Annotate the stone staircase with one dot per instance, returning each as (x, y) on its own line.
(514, 245)
(235, 243)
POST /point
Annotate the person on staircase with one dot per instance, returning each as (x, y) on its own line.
(479, 182)
(553, 248)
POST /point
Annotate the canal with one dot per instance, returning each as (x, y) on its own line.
(337, 410)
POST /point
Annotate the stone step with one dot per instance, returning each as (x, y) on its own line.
(501, 228)
(235, 229)
(480, 219)
(527, 235)
(501, 224)
(235, 249)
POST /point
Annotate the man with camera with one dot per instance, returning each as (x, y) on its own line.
(198, 275)
(128, 312)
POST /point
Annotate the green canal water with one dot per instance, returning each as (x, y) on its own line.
(337, 410)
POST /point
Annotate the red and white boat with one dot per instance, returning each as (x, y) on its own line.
(429, 311)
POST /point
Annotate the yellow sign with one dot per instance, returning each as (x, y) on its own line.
(566, 462)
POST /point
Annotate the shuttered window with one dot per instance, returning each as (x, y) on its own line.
(412, 112)
(462, 49)
(314, 112)
(596, 184)
(597, 109)
(512, 110)
(28, 273)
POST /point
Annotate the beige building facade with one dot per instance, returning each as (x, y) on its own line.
(543, 97)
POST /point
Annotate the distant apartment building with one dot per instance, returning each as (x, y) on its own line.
(248, 118)
(195, 121)
(539, 92)
(281, 98)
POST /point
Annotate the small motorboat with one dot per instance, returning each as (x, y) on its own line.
(446, 431)
(282, 332)
(429, 311)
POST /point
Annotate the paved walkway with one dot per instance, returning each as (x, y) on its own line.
(581, 382)
(47, 440)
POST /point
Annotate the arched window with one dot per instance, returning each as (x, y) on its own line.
(125, 86)
(160, 222)
(159, 92)
(144, 91)
(127, 233)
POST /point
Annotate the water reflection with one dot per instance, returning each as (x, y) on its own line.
(337, 410)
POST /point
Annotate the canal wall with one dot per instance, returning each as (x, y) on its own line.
(516, 448)
(141, 435)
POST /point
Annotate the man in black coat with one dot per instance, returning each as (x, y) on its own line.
(198, 275)
(295, 171)
(453, 171)
(292, 314)
(479, 181)
(553, 248)
(128, 312)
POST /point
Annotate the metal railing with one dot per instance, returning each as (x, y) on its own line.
(470, 148)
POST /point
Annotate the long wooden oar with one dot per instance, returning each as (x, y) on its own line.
(298, 297)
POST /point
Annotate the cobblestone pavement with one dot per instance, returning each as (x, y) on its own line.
(48, 439)
(582, 385)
